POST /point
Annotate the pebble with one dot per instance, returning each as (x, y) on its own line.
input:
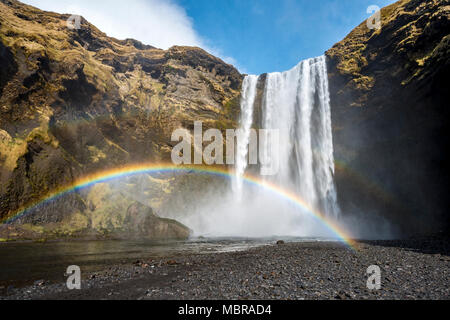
(295, 271)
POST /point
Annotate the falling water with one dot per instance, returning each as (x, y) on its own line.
(246, 121)
(297, 103)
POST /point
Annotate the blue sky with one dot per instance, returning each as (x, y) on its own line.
(274, 35)
(257, 36)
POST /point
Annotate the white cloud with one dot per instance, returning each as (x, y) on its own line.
(159, 23)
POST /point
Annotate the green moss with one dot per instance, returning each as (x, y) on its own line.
(109, 208)
(12, 150)
(232, 108)
(34, 228)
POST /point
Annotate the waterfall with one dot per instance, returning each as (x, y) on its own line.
(246, 121)
(297, 103)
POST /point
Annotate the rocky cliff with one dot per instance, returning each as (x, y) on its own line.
(75, 101)
(389, 96)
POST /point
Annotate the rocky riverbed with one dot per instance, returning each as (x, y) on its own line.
(410, 269)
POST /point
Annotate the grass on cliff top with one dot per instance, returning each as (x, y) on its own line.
(350, 51)
(400, 20)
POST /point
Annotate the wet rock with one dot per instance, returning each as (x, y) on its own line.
(39, 283)
(172, 262)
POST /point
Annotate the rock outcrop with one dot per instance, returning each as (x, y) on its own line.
(107, 213)
(141, 223)
(389, 96)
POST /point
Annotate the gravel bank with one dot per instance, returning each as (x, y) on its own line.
(415, 269)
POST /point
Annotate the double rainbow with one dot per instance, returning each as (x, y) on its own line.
(129, 170)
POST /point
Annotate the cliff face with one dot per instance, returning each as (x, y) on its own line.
(73, 101)
(389, 96)
(76, 101)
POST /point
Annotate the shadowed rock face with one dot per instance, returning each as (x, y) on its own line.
(389, 97)
(77, 101)
(9, 66)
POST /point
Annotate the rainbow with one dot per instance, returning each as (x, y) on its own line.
(129, 170)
